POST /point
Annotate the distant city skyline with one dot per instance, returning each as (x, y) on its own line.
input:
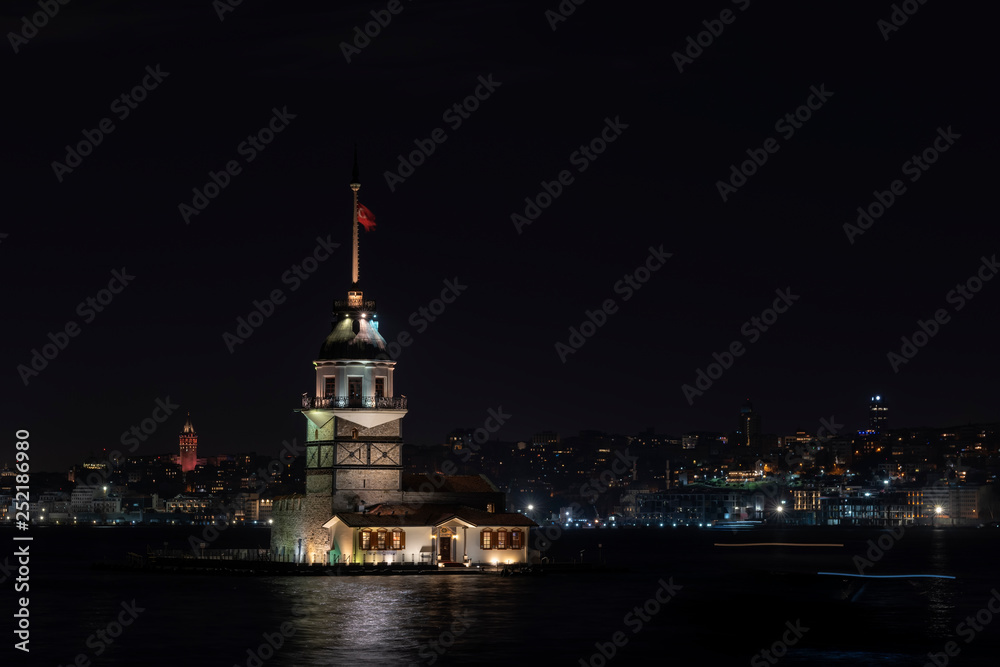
(822, 426)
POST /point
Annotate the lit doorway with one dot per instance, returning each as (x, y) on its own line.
(444, 545)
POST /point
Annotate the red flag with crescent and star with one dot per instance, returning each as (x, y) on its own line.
(366, 217)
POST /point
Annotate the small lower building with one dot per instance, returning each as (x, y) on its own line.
(437, 534)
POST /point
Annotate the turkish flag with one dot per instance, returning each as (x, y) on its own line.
(366, 217)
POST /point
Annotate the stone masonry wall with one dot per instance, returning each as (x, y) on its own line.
(386, 430)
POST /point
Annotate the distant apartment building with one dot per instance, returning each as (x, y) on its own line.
(865, 508)
(95, 500)
(7, 478)
(946, 505)
(748, 433)
(694, 504)
(191, 504)
(741, 476)
(878, 414)
(805, 500)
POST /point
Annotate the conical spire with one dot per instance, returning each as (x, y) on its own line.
(188, 428)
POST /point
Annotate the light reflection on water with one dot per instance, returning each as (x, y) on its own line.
(448, 619)
(372, 619)
(732, 605)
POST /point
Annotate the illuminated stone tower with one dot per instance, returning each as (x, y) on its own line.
(189, 447)
(353, 425)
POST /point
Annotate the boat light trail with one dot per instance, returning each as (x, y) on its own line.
(887, 576)
(774, 544)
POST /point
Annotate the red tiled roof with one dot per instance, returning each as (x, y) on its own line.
(449, 483)
(386, 516)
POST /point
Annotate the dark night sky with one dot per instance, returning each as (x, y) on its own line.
(495, 346)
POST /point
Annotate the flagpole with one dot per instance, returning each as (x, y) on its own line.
(355, 186)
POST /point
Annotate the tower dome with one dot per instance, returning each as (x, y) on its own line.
(354, 331)
(354, 334)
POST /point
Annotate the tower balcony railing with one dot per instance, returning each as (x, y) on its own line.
(357, 402)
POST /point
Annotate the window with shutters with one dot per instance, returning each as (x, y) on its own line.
(485, 539)
(502, 539)
(366, 540)
(398, 539)
(515, 540)
(329, 386)
(380, 540)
